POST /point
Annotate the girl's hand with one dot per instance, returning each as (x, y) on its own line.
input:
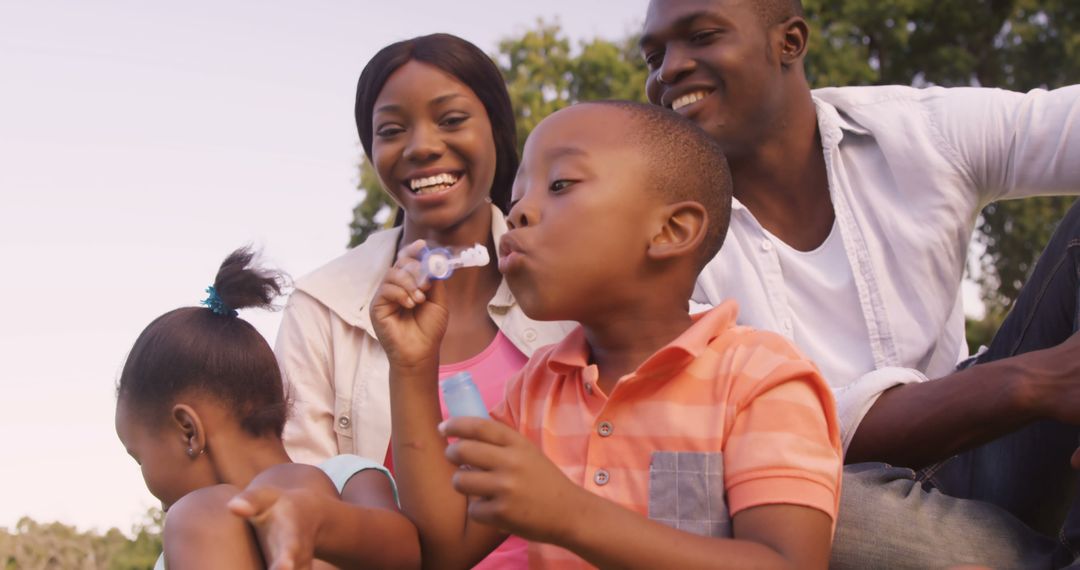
(409, 314)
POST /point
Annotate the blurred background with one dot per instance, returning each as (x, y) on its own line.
(141, 142)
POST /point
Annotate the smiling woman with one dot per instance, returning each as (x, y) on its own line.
(434, 118)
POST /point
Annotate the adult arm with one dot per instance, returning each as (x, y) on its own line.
(916, 424)
(303, 352)
(1012, 145)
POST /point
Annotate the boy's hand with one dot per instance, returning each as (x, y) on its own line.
(409, 316)
(511, 485)
(284, 522)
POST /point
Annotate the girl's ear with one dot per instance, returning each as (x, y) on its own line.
(682, 229)
(189, 426)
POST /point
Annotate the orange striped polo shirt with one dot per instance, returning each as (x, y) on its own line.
(722, 419)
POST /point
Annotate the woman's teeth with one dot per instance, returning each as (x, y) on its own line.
(432, 184)
(688, 99)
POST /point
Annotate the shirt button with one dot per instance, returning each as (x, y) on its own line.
(766, 245)
(530, 335)
(787, 324)
(344, 422)
(601, 477)
(605, 429)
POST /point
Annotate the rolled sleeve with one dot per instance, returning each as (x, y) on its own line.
(855, 400)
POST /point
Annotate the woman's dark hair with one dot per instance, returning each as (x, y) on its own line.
(197, 350)
(469, 65)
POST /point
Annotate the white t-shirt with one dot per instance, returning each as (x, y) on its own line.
(827, 322)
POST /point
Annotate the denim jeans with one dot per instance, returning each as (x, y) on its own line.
(1010, 503)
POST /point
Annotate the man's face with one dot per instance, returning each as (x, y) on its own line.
(711, 61)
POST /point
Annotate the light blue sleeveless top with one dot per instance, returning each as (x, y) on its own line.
(340, 469)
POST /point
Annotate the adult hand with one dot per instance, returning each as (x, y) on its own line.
(511, 485)
(1052, 380)
(409, 314)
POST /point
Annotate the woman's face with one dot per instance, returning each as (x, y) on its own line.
(432, 146)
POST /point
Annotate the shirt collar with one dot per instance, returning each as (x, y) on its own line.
(572, 354)
(831, 124)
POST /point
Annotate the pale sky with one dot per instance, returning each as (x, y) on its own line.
(139, 143)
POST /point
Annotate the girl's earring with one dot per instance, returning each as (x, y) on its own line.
(192, 454)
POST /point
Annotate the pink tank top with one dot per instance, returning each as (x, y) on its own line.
(491, 369)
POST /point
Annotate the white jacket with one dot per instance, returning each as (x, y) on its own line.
(334, 369)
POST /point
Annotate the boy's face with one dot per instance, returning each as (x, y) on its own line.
(711, 62)
(582, 218)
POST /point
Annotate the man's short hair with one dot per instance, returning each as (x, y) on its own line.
(772, 12)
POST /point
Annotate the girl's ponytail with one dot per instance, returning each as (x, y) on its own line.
(240, 285)
(210, 352)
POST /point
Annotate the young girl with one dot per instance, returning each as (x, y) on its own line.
(200, 407)
(435, 120)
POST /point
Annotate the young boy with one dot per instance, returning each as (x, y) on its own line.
(647, 438)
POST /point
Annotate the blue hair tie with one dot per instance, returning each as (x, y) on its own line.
(215, 304)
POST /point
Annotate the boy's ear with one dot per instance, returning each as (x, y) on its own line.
(682, 230)
(189, 426)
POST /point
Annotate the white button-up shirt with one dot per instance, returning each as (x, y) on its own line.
(334, 368)
(909, 171)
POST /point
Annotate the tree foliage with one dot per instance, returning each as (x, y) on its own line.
(1013, 44)
(54, 546)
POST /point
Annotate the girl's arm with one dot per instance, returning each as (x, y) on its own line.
(361, 528)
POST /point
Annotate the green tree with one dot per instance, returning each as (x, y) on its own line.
(56, 546)
(1013, 44)
(544, 72)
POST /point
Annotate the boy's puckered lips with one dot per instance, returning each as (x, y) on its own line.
(510, 252)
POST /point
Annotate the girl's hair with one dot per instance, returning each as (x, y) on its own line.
(212, 352)
(469, 65)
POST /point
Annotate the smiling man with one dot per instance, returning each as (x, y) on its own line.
(853, 211)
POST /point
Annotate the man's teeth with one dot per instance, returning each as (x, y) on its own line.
(688, 99)
(430, 184)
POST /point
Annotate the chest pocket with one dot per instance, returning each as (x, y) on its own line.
(686, 491)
